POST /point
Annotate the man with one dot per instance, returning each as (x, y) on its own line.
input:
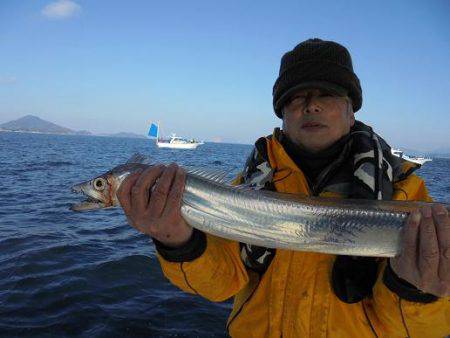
(321, 150)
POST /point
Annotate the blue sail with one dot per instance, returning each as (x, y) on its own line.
(153, 131)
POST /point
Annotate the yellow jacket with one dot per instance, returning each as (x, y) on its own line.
(294, 297)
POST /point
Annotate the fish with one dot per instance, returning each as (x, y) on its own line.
(270, 219)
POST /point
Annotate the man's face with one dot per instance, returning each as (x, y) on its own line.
(314, 119)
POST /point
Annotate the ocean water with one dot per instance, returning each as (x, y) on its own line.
(91, 274)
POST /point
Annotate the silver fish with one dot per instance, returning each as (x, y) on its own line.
(271, 219)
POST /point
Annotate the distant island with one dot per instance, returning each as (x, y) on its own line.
(34, 124)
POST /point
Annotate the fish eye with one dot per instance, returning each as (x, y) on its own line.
(99, 183)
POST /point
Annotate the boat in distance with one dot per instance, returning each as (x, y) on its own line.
(419, 160)
(175, 142)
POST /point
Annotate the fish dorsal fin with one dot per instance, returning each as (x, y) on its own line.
(209, 174)
(139, 158)
(245, 187)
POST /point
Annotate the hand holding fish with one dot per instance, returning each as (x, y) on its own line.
(151, 200)
(165, 202)
(425, 257)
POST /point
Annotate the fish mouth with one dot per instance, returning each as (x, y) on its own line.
(91, 203)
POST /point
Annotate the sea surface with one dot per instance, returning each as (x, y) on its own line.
(72, 274)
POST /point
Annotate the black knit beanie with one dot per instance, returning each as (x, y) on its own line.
(316, 63)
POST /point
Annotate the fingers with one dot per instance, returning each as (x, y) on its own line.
(140, 191)
(124, 192)
(442, 222)
(425, 257)
(410, 235)
(429, 248)
(159, 195)
(176, 193)
(406, 262)
(131, 222)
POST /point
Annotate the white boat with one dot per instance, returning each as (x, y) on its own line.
(419, 160)
(175, 142)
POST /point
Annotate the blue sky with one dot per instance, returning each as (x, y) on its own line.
(206, 69)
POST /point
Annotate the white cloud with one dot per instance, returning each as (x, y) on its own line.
(7, 80)
(61, 9)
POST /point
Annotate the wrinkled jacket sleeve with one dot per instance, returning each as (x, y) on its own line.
(216, 274)
(395, 301)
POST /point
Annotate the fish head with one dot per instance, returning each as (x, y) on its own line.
(101, 191)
